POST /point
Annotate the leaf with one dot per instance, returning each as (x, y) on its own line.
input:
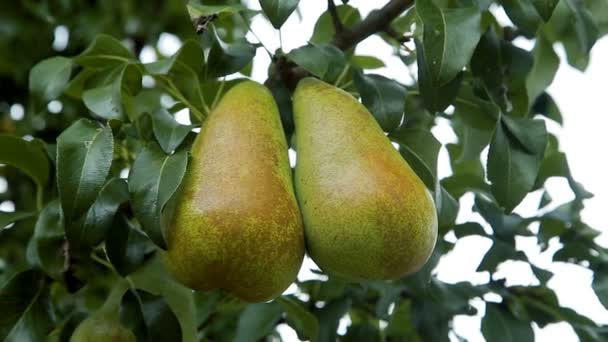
(324, 30)
(126, 246)
(385, 98)
(152, 181)
(278, 10)
(257, 321)
(48, 241)
(499, 252)
(420, 148)
(545, 8)
(499, 325)
(329, 317)
(546, 106)
(100, 215)
(49, 77)
(27, 156)
(302, 321)
(546, 63)
(23, 313)
(84, 157)
(585, 28)
(167, 131)
(363, 331)
(600, 286)
(131, 315)
(197, 10)
(105, 51)
(400, 327)
(367, 62)
(282, 96)
(469, 228)
(113, 100)
(227, 58)
(487, 65)
(7, 218)
(449, 39)
(447, 208)
(161, 322)
(523, 14)
(324, 61)
(513, 164)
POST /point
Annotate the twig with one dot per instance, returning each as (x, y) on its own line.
(401, 38)
(331, 7)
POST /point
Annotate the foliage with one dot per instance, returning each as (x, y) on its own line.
(93, 164)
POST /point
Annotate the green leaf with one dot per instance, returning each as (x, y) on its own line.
(364, 331)
(167, 131)
(278, 10)
(499, 325)
(600, 286)
(105, 51)
(324, 61)
(420, 148)
(7, 218)
(84, 157)
(24, 315)
(303, 322)
(329, 317)
(153, 179)
(367, 62)
(523, 14)
(126, 246)
(514, 160)
(469, 228)
(487, 65)
(114, 99)
(131, 315)
(545, 8)
(385, 99)
(48, 242)
(585, 28)
(324, 30)
(450, 37)
(546, 63)
(400, 326)
(447, 208)
(499, 252)
(27, 156)
(49, 77)
(282, 96)
(546, 106)
(195, 9)
(161, 322)
(100, 215)
(257, 321)
(227, 58)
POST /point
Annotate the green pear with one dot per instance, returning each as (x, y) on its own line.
(99, 328)
(237, 225)
(366, 213)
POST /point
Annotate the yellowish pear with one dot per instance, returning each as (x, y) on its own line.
(366, 214)
(237, 225)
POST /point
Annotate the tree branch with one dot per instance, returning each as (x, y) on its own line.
(376, 21)
(331, 7)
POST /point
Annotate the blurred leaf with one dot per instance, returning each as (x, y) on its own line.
(105, 51)
(152, 181)
(546, 106)
(385, 98)
(545, 8)
(367, 62)
(282, 96)
(100, 215)
(131, 315)
(167, 131)
(499, 325)
(420, 148)
(303, 322)
(27, 156)
(278, 10)
(49, 77)
(126, 246)
(585, 28)
(450, 37)
(84, 156)
(324, 61)
(400, 326)
(257, 321)
(364, 331)
(600, 286)
(499, 252)
(329, 317)
(523, 14)
(23, 313)
(48, 242)
(7, 218)
(546, 63)
(324, 28)
(160, 320)
(197, 10)
(469, 228)
(227, 58)
(447, 208)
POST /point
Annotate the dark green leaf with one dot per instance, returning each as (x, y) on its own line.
(131, 315)
(499, 325)
(585, 28)
(469, 228)
(324, 30)
(282, 96)
(27, 156)
(323, 61)
(400, 327)
(47, 246)
(195, 9)
(487, 65)
(499, 252)
(257, 321)
(302, 321)
(385, 98)
(84, 156)
(367, 62)
(160, 320)
(227, 58)
(278, 10)
(49, 77)
(523, 14)
(545, 8)
(329, 317)
(447, 208)
(600, 286)
(152, 181)
(420, 148)
(24, 315)
(364, 331)
(450, 37)
(126, 246)
(7, 218)
(100, 215)
(104, 52)
(167, 131)
(546, 63)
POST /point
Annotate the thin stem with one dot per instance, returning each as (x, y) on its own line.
(331, 7)
(255, 35)
(217, 95)
(342, 75)
(39, 197)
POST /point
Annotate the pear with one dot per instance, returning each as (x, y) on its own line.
(237, 225)
(366, 213)
(99, 328)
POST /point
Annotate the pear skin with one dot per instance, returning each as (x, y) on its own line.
(237, 225)
(366, 214)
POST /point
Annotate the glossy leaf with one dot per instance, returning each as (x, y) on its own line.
(324, 61)
(500, 325)
(303, 322)
(27, 156)
(105, 51)
(545, 8)
(385, 99)
(126, 246)
(227, 58)
(49, 77)
(278, 10)
(257, 321)
(7, 218)
(324, 30)
(167, 131)
(523, 14)
(84, 156)
(48, 242)
(420, 149)
(153, 179)
(546, 63)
